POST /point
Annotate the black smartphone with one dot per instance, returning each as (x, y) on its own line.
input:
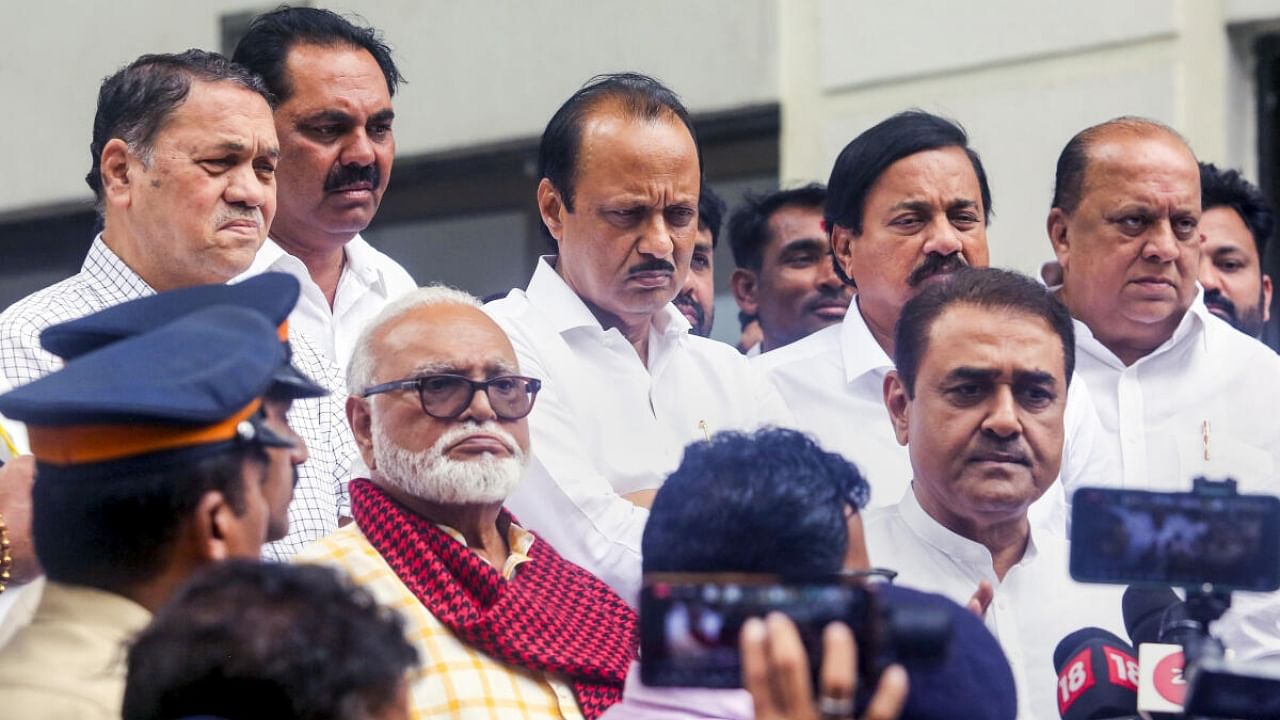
(689, 623)
(1180, 539)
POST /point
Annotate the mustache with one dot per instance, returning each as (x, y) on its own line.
(238, 212)
(347, 175)
(1013, 449)
(455, 435)
(651, 266)
(685, 299)
(935, 264)
(1215, 298)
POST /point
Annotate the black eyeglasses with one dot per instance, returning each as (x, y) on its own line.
(445, 396)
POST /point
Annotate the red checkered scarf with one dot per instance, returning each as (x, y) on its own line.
(552, 616)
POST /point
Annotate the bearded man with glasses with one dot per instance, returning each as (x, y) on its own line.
(502, 623)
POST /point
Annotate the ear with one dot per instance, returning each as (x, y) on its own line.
(115, 172)
(1057, 227)
(551, 208)
(361, 422)
(898, 404)
(211, 526)
(743, 283)
(1266, 297)
(842, 249)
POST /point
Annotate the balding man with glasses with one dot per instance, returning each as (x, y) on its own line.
(438, 409)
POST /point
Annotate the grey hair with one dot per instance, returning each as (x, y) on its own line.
(360, 369)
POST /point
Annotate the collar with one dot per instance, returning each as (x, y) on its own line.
(566, 310)
(519, 541)
(949, 543)
(360, 257)
(106, 270)
(1193, 327)
(858, 347)
(86, 606)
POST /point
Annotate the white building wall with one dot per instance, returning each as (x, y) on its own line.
(1022, 77)
(479, 71)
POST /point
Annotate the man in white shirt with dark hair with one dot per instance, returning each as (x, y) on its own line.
(626, 386)
(334, 81)
(1179, 391)
(907, 205)
(978, 398)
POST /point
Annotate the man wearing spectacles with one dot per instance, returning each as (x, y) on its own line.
(438, 407)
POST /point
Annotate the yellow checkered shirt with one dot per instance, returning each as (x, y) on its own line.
(453, 679)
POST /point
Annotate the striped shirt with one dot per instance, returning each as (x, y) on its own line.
(320, 497)
(453, 680)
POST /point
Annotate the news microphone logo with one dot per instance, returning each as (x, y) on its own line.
(1097, 675)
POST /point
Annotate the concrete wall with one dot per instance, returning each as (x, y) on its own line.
(479, 72)
(1022, 77)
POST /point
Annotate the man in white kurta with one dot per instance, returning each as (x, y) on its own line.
(625, 386)
(1180, 393)
(979, 394)
(334, 81)
(899, 219)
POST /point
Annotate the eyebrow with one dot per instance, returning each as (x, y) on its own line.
(804, 245)
(926, 206)
(235, 146)
(383, 116)
(492, 369)
(327, 116)
(1020, 377)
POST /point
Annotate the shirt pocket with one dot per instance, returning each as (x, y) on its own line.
(1251, 467)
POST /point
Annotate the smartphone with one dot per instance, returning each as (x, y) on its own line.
(689, 623)
(1181, 539)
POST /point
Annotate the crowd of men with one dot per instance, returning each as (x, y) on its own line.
(235, 374)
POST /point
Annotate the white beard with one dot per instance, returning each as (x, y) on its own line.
(432, 476)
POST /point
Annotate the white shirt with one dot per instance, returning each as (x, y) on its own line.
(833, 381)
(369, 280)
(605, 424)
(1035, 606)
(320, 497)
(1154, 412)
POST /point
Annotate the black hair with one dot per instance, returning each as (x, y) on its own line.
(771, 501)
(749, 225)
(869, 155)
(114, 527)
(1226, 188)
(245, 640)
(711, 209)
(135, 102)
(638, 96)
(1073, 161)
(265, 46)
(986, 288)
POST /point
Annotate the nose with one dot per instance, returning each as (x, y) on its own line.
(298, 454)
(479, 410)
(1210, 278)
(246, 187)
(1161, 244)
(1002, 414)
(943, 238)
(827, 278)
(658, 238)
(358, 150)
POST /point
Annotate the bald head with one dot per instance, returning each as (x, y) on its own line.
(424, 306)
(1124, 228)
(1071, 176)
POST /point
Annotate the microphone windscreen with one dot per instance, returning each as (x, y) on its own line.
(1097, 676)
(1070, 644)
(1143, 609)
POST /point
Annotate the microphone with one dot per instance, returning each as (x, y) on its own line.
(1097, 676)
(1158, 624)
